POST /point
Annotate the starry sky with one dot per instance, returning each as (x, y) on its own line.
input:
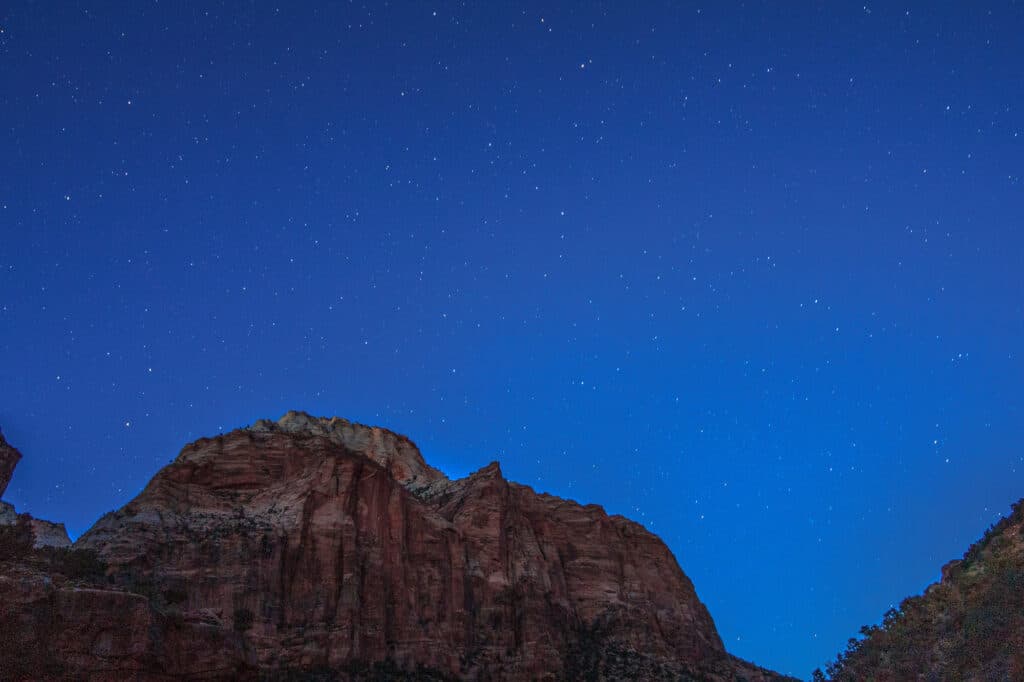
(748, 273)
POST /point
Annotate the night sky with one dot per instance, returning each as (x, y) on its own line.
(751, 274)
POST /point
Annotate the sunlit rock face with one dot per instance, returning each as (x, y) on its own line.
(329, 545)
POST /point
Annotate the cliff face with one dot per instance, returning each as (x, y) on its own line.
(59, 627)
(969, 626)
(9, 458)
(329, 545)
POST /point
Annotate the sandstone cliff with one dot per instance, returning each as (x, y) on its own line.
(313, 548)
(969, 626)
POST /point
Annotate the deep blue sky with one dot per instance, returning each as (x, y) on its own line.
(751, 274)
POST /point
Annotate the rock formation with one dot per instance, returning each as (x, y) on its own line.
(969, 626)
(329, 548)
(45, 533)
(9, 458)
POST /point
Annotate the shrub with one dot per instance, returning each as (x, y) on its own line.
(243, 619)
(174, 596)
(76, 564)
(16, 540)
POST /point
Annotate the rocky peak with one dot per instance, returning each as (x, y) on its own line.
(492, 470)
(394, 452)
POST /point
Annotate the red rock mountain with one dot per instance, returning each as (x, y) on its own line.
(313, 546)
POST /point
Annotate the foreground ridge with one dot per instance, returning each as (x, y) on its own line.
(318, 548)
(967, 626)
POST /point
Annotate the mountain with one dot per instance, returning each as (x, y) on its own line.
(969, 626)
(314, 548)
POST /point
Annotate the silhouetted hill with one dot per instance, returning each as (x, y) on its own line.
(969, 626)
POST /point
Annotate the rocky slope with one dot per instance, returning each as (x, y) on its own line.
(313, 548)
(969, 626)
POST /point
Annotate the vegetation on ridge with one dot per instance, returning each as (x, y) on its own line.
(968, 626)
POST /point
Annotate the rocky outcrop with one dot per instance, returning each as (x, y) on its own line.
(9, 458)
(46, 533)
(331, 545)
(969, 626)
